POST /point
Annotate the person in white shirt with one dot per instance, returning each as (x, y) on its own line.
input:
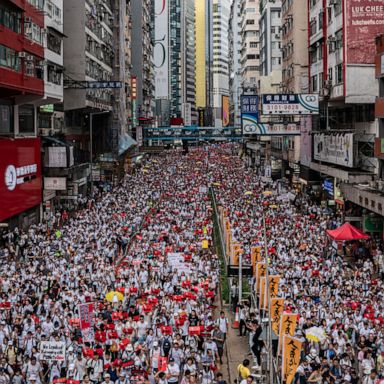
(172, 372)
(222, 322)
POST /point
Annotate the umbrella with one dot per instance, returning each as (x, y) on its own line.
(274, 206)
(267, 193)
(114, 296)
(315, 334)
(248, 193)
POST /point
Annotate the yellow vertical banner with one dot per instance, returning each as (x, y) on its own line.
(255, 258)
(274, 281)
(277, 308)
(291, 358)
(261, 270)
(288, 324)
(262, 293)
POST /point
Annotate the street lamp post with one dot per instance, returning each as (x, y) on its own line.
(91, 142)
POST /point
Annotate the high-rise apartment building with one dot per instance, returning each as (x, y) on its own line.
(235, 67)
(250, 48)
(188, 62)
(174, 60)
(220, 50)
(294, 47)
(142, 61)
(270, 36)
(204, 63)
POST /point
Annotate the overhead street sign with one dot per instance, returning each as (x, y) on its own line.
(74, 84)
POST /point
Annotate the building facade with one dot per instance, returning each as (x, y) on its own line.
(22, 73)
(204, 61)
(270, 36)
(220, 52)
(250, 48)
(142, 61)
(235, 68)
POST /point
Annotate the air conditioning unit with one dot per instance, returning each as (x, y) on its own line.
(30, 58)
(22, 55)
(328, 84)
(277, 36)
(27, 20)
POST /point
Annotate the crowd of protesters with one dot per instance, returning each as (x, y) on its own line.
(150, 239)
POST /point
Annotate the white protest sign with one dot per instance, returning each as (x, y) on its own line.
(52, 350)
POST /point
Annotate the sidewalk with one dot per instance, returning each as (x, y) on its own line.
(236, 350)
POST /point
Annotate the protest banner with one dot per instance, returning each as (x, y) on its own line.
(87, 322)
(277, 308)
(52, 350)
(291, 358)
(288, 324)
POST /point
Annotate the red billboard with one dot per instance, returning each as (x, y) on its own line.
(20, 176)
(365, 20)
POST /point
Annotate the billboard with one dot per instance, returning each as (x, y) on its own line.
(262, 129)
(335, 149)
(161, 49)
(225, 110)
(364, 20)
(20, 176)
(290, 104)
(305, 140)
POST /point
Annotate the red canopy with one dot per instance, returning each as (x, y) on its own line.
(346, 232)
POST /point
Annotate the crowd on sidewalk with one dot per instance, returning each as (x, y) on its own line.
(346, 301)
(148, 241)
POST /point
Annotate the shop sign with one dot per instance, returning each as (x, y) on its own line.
(328, 186)
(20, 176)
(290, 104)
(55, 183)
(373, 224)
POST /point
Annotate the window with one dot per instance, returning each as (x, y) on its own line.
(250, 22)
(321, 15)
(253, 44)
(313, 27)
(339, 38)
(314, 83)
(6, 119)
(54, 75)
(9, 58)
(54, 43)
(10, 19)
(339, 73)
(26, 118)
